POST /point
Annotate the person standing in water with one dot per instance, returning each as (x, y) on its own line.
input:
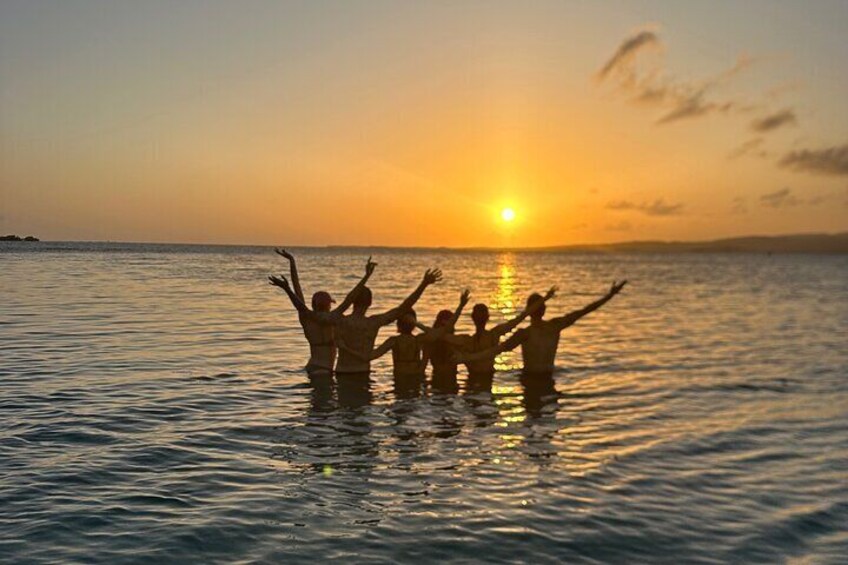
(318, 323)
(539, 341)
(439, 353)
(359, 331)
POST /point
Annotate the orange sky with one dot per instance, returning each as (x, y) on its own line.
(301, 124)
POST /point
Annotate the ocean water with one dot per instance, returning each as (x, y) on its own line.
(154, 409)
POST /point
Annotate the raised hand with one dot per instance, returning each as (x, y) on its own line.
(283, 253)
(370, 266)
(464, 297)
(616, 287)
(551, 293)
(280, 281)
(432, 276)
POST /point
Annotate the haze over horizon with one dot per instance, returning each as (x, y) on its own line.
(416, 125)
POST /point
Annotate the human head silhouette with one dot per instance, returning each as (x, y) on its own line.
(406, 323)
(362, 300)
(540, 310)
(321, 301)
(480, 315)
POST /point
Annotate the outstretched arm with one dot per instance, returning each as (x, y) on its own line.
(369, 270)
(506, 327)
(514, 341)
(564, 321)
(378, 352)
(281, 282)
(435, 333)
(295, 279)
(432, 276)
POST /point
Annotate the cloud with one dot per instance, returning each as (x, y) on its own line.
(827, 161)
(656, 208)
(782, 198)
(626, 52)
(753, 147)
(740, 205)
(785, 117)
(645, 81)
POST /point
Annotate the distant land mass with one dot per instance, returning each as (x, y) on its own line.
(18, 238)
(799, 243)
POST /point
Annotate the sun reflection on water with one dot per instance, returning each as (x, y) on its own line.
(506, 301)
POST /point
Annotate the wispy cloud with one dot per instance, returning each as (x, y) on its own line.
(826, 161)
(656, 208)
(740, 205)
(782, 198)
(785, 117)
(753, 147)
(646, 81)
(626, 52)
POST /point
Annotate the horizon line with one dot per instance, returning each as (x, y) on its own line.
(564, 246)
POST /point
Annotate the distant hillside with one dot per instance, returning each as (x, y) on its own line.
(805, 243)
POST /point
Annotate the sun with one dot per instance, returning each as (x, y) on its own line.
(507, 214)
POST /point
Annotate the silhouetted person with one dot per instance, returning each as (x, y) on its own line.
(319, 323)
(539, 341)
(407, 349)
(359, 331)
(439, 353)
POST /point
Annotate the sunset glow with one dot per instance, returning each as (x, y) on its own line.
(400, 123)
(507, 214)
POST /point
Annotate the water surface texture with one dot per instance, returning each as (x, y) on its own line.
(153, 409)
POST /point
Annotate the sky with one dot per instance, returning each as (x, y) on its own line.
(417, 123)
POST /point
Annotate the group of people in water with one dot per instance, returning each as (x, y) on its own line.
(343, 343)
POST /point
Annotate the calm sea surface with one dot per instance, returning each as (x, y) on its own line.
(153, 409)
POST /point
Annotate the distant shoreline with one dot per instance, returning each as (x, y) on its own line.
(780, 244)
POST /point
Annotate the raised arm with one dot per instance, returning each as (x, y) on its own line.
(295, 279)
(564, 321)
(303, 310)
(508, 326)
(369, 270)
(433, 334)
(431, 276)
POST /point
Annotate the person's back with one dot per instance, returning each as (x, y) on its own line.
(539, 347)
(359, 333)
(481, 341)
(406, 356)
(322, 347)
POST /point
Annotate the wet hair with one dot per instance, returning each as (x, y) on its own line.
(363, 298)
(533, 299)
(406, 322)
(480, 315)
(442, 318)
(321, 301)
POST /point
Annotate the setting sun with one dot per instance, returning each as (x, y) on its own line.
(507, 214)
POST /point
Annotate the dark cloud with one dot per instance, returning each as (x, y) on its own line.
(656, 208)
(782, 198)
(774, 121)
(626, 52)
(827, 161)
